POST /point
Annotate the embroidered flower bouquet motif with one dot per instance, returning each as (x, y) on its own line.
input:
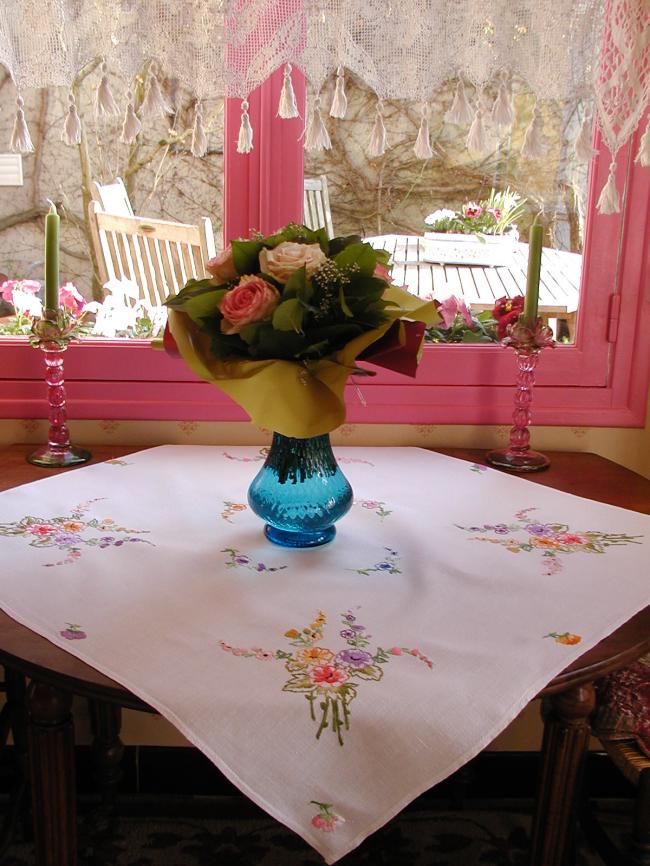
(552, 540)
(328, 678)
(72, 533)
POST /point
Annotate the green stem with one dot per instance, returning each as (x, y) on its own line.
(324, 707)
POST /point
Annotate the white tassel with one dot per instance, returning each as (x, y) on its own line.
(503, 114)
(608, 201)
(287, 107)
(131, 126)
(317, 136)
(377, 143)
(461, 111)
(245, 140)
(72, 128)
(533, 145)
(477, 139)
(422, 147)
(339, 100)
(21, 141)
(104, 102)
(583, 149)
(199, 145)
(154, 103)
(643, 156)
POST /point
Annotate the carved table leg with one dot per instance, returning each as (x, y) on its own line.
(108, 750)
(566, 735)
(51, 759)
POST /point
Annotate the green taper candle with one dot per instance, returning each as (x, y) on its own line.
(535, 239)
(52, 222)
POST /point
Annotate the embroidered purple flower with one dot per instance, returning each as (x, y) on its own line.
(354, 658)
(65, 539)
(347, 633)
(501, 529)
(538, 529)
(350, 617)
(358, 627)
(242, 560)
(383, 566)
(106, 541)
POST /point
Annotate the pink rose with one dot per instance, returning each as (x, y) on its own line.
(382, 272)
(70, 298)
(251, 300)
(221, 266)
(7, 288)
(287, 257)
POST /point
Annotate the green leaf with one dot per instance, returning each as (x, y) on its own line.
(362, 255)
(288, 316)
(298, 683)
(343, 304)
(338, 244)
(246, 256)
(370, 672)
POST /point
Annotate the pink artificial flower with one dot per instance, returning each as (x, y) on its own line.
(221, 266)
(451, 307)
(7, 288)
(70, 298)
(251, 300)
(496, 213)
(471, 210)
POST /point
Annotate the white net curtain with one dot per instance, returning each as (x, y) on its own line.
(592, 50)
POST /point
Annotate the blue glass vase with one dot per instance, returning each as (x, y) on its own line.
(300, 492)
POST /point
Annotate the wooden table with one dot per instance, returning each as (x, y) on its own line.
(569, 698)
(481, 286)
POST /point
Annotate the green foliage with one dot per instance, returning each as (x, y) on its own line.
(482, 330)
(317, 313)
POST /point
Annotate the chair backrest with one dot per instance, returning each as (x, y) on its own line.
(113, 197)
(157, 255)
(317, 213)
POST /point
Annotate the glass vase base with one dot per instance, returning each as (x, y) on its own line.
(511, 461)
(303, 538)
(52, 458)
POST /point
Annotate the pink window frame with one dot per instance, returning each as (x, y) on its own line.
(602, 380)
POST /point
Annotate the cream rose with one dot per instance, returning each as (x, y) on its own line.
(288, 256)
(221, 266)
(251, 300)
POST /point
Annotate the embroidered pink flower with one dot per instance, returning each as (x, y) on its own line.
(251, 300)
(570, 538)
(326, 819)
(42, 529)
(73, 632)
(287, 257)
(71, 299)
(326, 675)
(395, 651)
(221, 266)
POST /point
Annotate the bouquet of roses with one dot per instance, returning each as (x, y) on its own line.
(282, 320)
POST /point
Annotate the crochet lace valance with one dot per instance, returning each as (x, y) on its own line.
(592, 50)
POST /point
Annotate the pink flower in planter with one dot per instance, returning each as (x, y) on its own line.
(450, 308)
(471, 210)
(7, 288)
(71, 299)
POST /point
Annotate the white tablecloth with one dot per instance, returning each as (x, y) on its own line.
(331, 685)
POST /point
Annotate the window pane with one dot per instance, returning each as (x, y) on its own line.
(394, 193)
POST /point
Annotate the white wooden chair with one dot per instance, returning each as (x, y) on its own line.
(317, 213)
(159, 256)
(113, 197)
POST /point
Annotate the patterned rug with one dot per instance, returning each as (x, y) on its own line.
(418, 837)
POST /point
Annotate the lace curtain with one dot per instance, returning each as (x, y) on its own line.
(593, 50)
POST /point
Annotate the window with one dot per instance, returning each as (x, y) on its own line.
(601, 380)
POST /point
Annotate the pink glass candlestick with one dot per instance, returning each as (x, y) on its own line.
(58, 451)
(518, 457)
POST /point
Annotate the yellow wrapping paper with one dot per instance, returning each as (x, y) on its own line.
(295, 399)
